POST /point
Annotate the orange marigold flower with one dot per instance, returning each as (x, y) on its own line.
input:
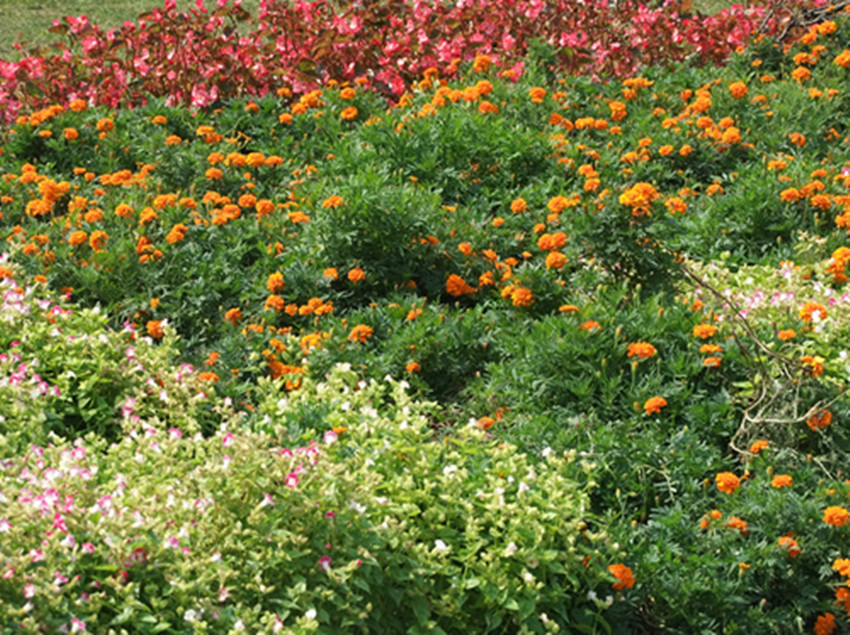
(331, 273)
(758, 446)
(618, 110)
(654, 405)
(568, 308)
(820, 420)
(736, 523)
(485, 423)
(727, 482)
(332, 201)
(481, 64)
(522, 296)
(275, 303)
(486, 107)
(787, 542)
(589, 325)
(518, 205)
(123, 210)
(457, 286)
(813, 312)
(842, 597)
(825, 624)
(738, 89)
(836, 516)
(704, 331)
(640, 195)
(842, 59)
(801, 74)
(782, 480)
(624, 575)
(177, 233)
(208, 376)
(787, 334)
(349, 113)
(643, 350)
(413, 367)
(790, 195)
(797, 139)
(555, 260)
(705, 521)
(712, 362)
(537, 94)
(155, 329)
(360, 333)
(233, 316)
(77, 238)
(105, 125)
(842, 565)
(814, 364)
(356, 275)
(275, 282)
(558, 204)
(465, 248)
(98, 239)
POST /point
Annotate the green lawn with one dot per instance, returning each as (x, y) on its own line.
(28, 20)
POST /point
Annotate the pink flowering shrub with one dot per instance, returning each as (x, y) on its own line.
(372, 526)
(63, 374)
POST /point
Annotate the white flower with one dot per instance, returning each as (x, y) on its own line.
(310, 614)
(191, 615)
(510, 549)
(440, 546)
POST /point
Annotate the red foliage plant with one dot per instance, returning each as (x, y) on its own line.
(198, 56)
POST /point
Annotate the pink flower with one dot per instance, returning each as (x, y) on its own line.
(227, 441)
(325, 562)
(292, 480)
(88, 548)
(29, 591)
